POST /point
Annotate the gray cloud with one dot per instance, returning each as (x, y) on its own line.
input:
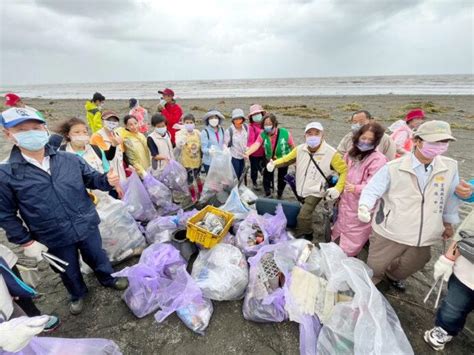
(84, 41)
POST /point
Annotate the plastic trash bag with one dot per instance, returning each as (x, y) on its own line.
(235, 205)
(160, 195)
(220, 179)
(175, 177)
(136, 199)
(256, 231)
(60, 346)
(160, 229)
(369, 313)
(160, 281)
(221, 273)
(247, 195)
(119, 231)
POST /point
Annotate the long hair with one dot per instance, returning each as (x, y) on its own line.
(378, 131)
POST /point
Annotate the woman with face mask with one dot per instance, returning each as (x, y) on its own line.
(159, 144)
(257, 159)
(276, 142)
(416, 206)
(363, 161)
(212, 137)
(108, 137)
(311, 185)
(137, 153)
(403, 135)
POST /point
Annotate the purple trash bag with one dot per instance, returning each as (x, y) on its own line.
(160, 195)
(273, 228)
(155, 230)
(175, 177)
(60, 346)
(137, 199)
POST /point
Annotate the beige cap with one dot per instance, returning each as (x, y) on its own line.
(434, 131)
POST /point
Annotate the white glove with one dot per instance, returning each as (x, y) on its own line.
(443, 267)
(270, 166)
(363, 214)
(17, 332)
(212, 151)
(34, 250)
(332, 194)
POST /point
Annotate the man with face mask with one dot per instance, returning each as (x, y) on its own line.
(358, 119)
(310, 183)
(416, 206)
(44, 204)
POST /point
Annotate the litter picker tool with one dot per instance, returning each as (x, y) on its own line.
(54, 261)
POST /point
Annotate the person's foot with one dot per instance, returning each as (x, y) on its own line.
(399, 285)
(121, 283)
(52, 324)
(279, 195)
(76, 307)
(256, 187)
(383, 286)
(437, 337)
(268, 194)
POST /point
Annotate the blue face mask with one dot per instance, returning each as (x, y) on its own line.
(364, 147)
(32, 140)
(257, 117)
(268, 129)
(355, 127)
(161, 130)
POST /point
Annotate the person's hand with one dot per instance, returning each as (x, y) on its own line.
(34, 249)
(115, 139)
(443, 267)
(332, 194)
(349, 188)
(16, 333)
(270, 166)
(113, 178)
(448, 231)
(363, 214)
(464, 190)
(120, 191)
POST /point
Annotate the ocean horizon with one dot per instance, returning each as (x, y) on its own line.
(460, 84)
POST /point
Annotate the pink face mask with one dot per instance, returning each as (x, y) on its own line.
(431, 150)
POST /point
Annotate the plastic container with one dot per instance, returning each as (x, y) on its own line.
(269, 205)
(202, 236)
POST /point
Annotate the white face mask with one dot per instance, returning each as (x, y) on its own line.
(213, 122)
(257, 118)
(111, 125)
(80, 139)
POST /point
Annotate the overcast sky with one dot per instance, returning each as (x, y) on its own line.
(74, 41)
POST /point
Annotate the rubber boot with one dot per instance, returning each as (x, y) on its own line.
(192, 190)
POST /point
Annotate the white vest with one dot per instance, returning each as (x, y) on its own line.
(90, 157)
(117, 162)
(164, 148)
(408, 215)
(309, 181)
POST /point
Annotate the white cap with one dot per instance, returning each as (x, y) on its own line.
(315, 125)
(238, 113)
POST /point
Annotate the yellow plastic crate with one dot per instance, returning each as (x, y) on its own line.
(204, 237)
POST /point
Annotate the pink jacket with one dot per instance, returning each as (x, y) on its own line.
(254, 133)
(403, 138)
(353, 233)
(142, 117)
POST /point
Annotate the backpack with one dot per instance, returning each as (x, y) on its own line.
(231, 133)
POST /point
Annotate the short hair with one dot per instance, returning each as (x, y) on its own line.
(272, 118)
(189, 117)
(127, 118)
(378, 131)
(98, 97)
(157, 118)
(365, 112)
(65, 126)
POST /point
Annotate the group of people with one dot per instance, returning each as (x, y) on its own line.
(399, 192)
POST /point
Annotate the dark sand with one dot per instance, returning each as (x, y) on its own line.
(107, 316)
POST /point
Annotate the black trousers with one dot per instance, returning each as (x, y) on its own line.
(257, 164)
(269, 178)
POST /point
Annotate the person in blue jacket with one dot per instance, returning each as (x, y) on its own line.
(44, 204)
(212, 137)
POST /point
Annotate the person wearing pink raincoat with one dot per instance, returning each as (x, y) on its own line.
(363, 161)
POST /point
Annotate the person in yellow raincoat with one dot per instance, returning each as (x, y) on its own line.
(94, 112)
(136, 148)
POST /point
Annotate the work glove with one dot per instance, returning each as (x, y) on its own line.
(270, 166)
(363, 214)
(34, 249)
(17, 332)
(332, 194)
(443, 267)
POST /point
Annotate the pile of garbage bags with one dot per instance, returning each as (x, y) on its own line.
(161, 228)
(160, 282)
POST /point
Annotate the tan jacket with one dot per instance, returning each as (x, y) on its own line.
(408, 215)
(386, 146)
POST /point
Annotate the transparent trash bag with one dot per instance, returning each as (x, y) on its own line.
(60, 346)
(235, 205)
